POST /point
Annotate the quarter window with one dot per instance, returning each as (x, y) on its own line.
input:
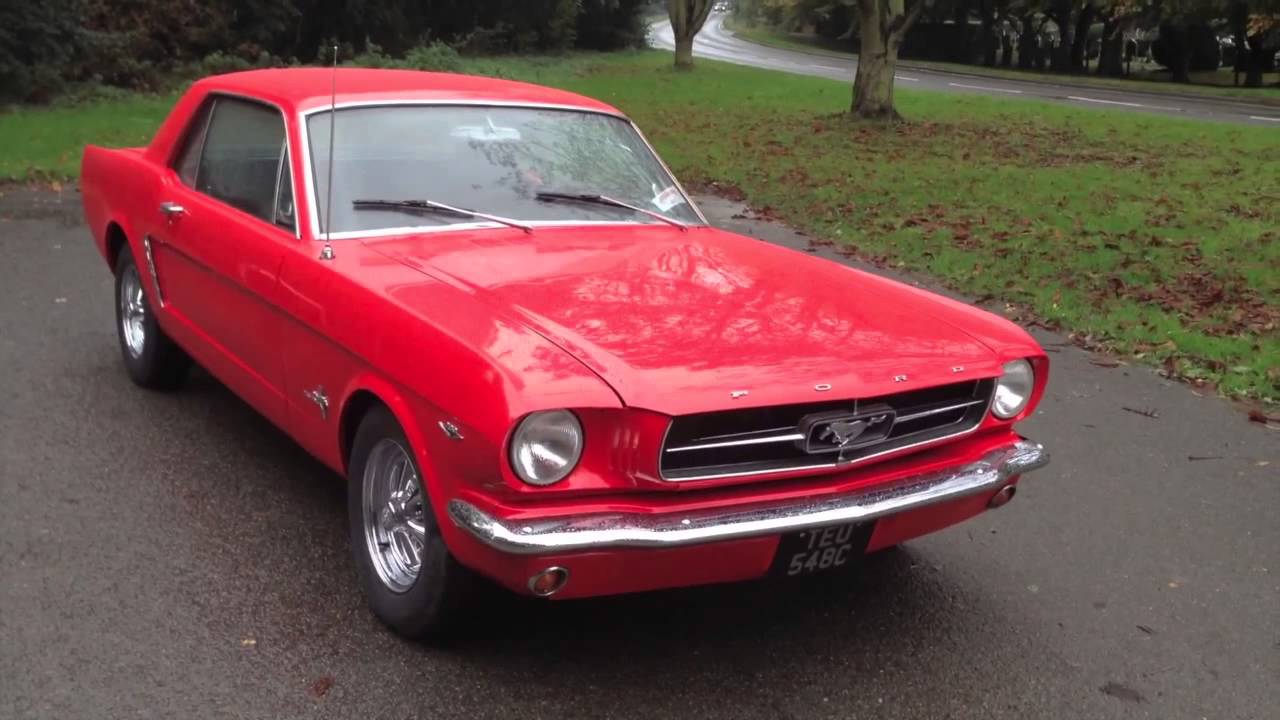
(284, 213)
(189, 161)
(244, 162)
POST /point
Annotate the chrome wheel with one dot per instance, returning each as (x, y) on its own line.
(395, 531)
(133, 311)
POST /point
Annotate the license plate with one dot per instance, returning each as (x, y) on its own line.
(826, 548)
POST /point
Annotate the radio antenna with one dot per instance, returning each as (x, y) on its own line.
(327, 252)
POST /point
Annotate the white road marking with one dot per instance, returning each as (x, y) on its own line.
(1126, 104)
(904, 77)
(988, 89)
(1264, 117)
(828, 67)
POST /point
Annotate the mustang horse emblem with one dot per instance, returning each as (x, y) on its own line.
(844, 433)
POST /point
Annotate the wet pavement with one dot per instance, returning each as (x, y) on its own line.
(717, 42)
(174, 556)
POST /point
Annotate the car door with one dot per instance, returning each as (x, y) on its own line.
(228, 200)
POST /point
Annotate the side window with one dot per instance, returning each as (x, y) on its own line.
(189, 160)
(240, 164)
(284, 192)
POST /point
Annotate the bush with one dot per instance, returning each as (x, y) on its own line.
(611, 24)
(38, 40)
(1198, 42)
(48, 47)
(437, 57)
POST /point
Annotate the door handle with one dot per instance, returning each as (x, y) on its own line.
(171, 210)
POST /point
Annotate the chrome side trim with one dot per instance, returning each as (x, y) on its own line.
(936, 411)
(601, 531)
(734, 443)
(151, 268)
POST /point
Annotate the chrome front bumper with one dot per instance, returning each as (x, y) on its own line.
(615, 530)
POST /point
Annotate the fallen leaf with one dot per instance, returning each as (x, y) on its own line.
(1256, 415)
(248, 642)
(321, 687)
(1122, 692)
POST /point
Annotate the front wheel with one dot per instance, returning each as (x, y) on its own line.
(152, 359)
(412, 582)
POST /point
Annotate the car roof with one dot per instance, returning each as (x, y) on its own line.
(302, 89)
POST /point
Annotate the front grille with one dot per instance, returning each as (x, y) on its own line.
(818, 435)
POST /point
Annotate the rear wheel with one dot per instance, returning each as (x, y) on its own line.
(412, 582)
(150, 357)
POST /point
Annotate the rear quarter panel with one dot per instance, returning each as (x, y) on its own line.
(114, 185)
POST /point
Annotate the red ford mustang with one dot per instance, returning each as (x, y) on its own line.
(493, 309)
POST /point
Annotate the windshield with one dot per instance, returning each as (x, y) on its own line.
(494, 160)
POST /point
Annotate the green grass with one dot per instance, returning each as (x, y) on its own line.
(45, 143)
(1209, 83)
(1154, 238)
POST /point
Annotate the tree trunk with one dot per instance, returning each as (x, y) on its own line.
(1179, 43)
(961, 51)
(1253, 69)
(1027, 42)
(1080, 42)
(684, 53)
(989, 41)
(1111, 57)
(1250, 57)
(883, 23)
(687, 17)
(1061, 61)
(1006, 50)
(873, 82)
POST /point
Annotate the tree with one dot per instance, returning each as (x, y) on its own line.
(687, 17)
(1256, 28)
(882, 25)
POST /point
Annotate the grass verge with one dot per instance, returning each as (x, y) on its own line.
(1154, 238)
(1209, 84)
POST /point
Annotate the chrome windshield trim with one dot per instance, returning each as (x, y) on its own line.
(601, 531)
(458, 227)
(309, 185)
(938, 411)
(734, 443)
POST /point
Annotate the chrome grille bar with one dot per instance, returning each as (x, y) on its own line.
(765, 441)
(940, 410)
(792, 437)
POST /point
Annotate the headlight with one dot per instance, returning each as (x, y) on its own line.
(546, 446)
(1013, 391)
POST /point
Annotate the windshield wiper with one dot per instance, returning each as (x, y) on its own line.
(433, 207)
(606, 200)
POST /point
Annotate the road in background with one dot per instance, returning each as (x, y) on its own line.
(718, 43)
(175, 556)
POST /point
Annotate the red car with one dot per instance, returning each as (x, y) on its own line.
(491, 307)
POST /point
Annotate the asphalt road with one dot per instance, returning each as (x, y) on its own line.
(717, 43)
(174, 556)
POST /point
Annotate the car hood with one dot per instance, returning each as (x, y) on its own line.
(682, 322)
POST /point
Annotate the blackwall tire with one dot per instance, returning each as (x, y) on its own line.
(150, 357)
(412, 582)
